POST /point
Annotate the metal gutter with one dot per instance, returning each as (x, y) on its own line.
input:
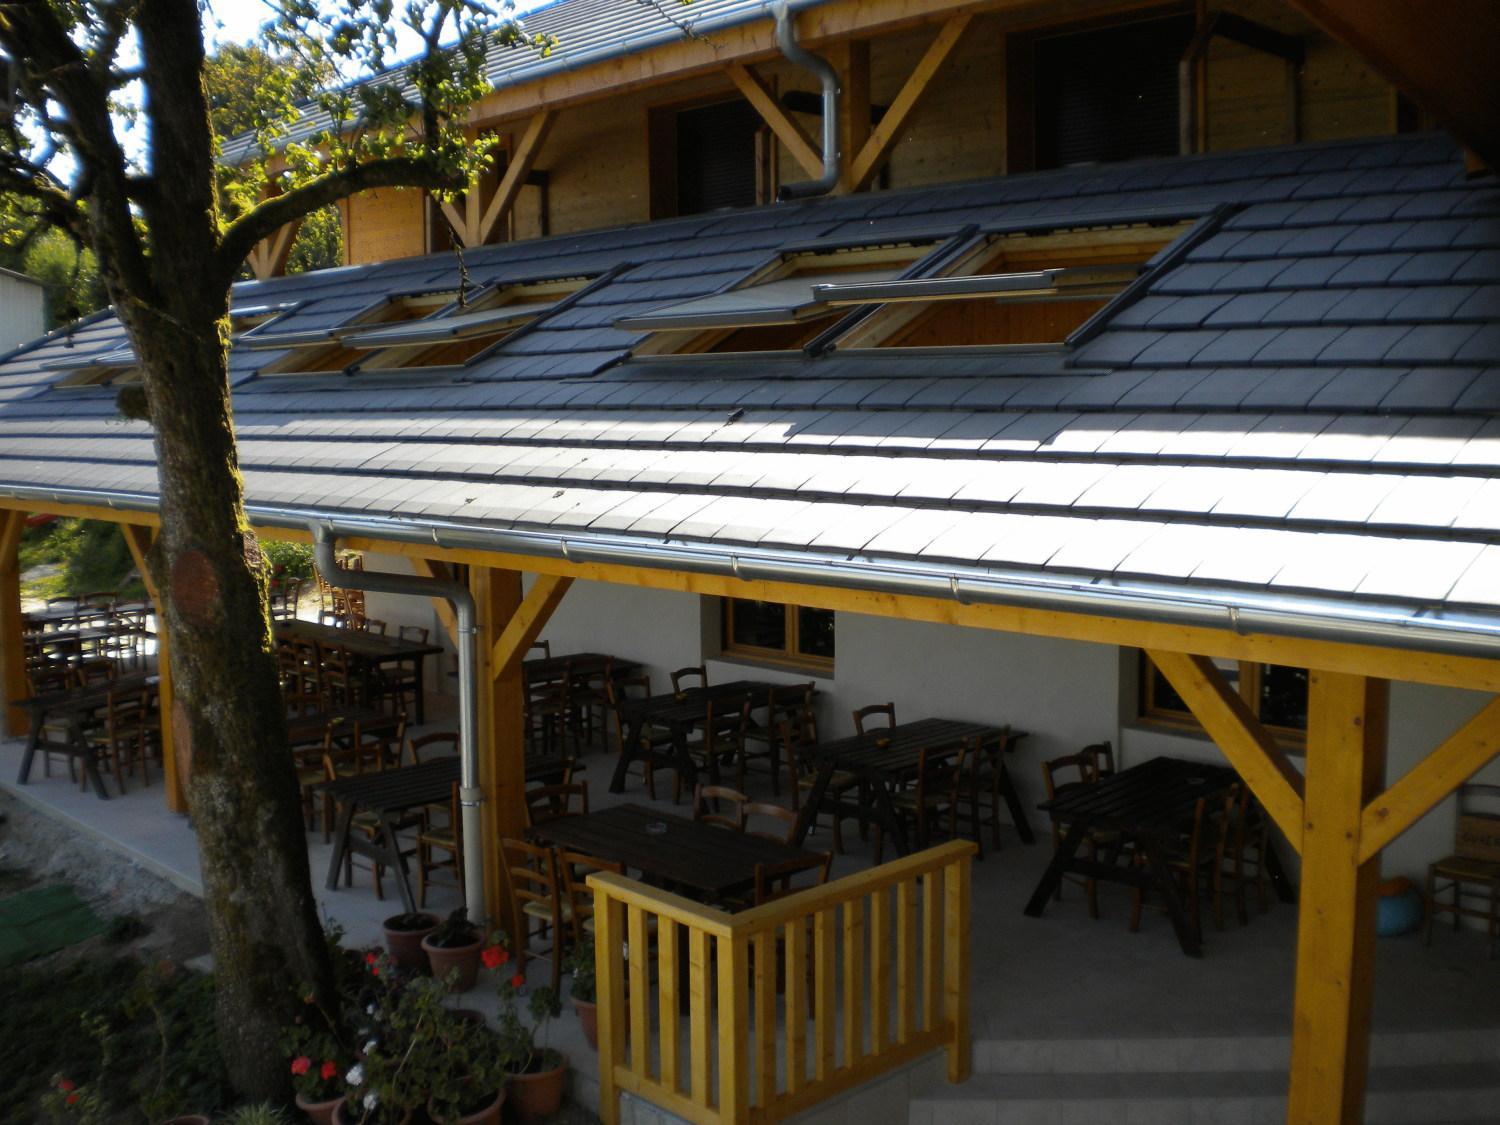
(325, 531)
(798, 55)
(1403, 626)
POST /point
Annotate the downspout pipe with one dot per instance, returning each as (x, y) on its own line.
(325, 540)
(795, 53)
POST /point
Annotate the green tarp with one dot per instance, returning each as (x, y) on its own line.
(42, 920)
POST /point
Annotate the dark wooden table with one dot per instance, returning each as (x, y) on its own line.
(888, 757)
(1148, 805)
(387, 794)
(309, 727)
(680, 713)
(370, 649)
(542, 670)
(701, 859)
(73, 709)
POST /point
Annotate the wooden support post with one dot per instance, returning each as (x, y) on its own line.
(176, 752)
(516, 172)
(867, 160)
(501, 745)
(1239, 734)
(1346, 742)
(851, 58)
(12, 645)
(787, 129)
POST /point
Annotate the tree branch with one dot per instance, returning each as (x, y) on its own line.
(268, 217)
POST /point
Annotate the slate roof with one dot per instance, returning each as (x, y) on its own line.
(586, 31)
(1305, 406)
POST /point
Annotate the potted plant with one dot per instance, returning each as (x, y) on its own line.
(318, 1064)
(453, 950)
(579, 965)
(466, 1081)
(399, 1048)
(538, 1072)
(403, 938)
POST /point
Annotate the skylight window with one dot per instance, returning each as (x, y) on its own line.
(98, 369)
(778, 308)
(418, 330)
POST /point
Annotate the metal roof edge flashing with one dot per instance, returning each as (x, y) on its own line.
(1238, 611)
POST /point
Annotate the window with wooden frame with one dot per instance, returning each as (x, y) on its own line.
(708, 154)
(1276, 694)
(777, 633)
(1021, 288)
(108, 369)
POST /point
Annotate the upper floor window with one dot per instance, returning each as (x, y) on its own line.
(778, 633)
(708, 157)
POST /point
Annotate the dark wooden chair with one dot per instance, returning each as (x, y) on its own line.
(706, 800)
(1473, 870)
(120, 742)
(683, 678)
(553, 802)
(1245, 858)
(875, 710)
(1196, 860)
(543, 647)
(717, 741)
(783, 821)
(1059, 776)
(653, 739)
(930, 799)
(979, 796)
(540, 902)
(338, 678)
(399, 681)
(763, 743)
(842, 798)
(440, 847)
(575, 868)
(778, 880)
(431, 746)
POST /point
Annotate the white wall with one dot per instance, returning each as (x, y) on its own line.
(1066, 693)
(22, 311)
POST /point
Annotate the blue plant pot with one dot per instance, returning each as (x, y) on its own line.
(1398, 914)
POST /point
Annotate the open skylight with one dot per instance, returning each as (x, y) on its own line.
(96, 369)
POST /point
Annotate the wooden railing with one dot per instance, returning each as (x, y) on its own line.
(760, 1014)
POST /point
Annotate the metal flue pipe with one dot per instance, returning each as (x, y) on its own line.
(325, 540)
(786, 39)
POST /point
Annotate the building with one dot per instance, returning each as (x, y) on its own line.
(1079, 361)
(23, 309)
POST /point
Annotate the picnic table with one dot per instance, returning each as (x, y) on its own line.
(680, 712)
(542, 670)
(711, 862)
(886, 758)
(1147, 805)
(387, 794)
(370, 649)
(73, 710)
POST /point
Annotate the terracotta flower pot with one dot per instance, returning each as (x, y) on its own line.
(405, 946)
(187, 1119)
(588, 1019)
(464, 958)
(489, 1115)
(320, 1113)
(538, 1094)
(343, 1115)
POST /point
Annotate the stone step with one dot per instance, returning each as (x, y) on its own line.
(1219, 1053)
(1413, 1095)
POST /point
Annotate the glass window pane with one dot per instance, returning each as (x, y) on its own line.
(1163, 696)
(1283, 696)
(815, 632)
(759, 624)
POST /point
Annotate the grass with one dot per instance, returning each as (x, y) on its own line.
(89, 554)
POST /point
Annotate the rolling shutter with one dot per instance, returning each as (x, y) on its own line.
(1109, 94)
(716, 157)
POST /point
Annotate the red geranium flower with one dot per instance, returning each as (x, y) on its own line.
(65, 1084)
(330, 1070)
(71, 1099)
(301, 1064)
(518, 980)
(493, 956)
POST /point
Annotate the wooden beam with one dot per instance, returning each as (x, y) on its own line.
(431, 568)
(1458, 758)
(787, 129)
(176, 761)
(527, 624)
(458, 221)
(869, 159)
(851, 58)
(268, 257)
(501, 745)
(1239, 734)
(1346, 739)
(516, 172)
(13, 681)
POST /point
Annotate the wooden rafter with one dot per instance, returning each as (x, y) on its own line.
(527, 623)
(139, 539)
(884, 136)
(1432, 779)
(788, 131)
(1239, 734)
(516, 172)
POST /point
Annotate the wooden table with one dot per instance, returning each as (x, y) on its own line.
(679, 713)
(370, 649)
(888, 757)
(542, 670)
(60, 615)
(1148, 805)
(73, 709)
(310, 726)
(387, 794)
(710, 862)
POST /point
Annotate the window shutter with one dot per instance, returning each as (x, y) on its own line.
(1109, 94)
(716, 157)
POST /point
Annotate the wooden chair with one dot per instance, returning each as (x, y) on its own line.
(398, 681)
(591, 699)
(378, 743)
(683, 677)
(778, 880)
(705, 806)
(374, 626)
(284, 597)
(575, 868)
(366, 823)
(1473, 870)
(1060, 775)
(539, 900)
(120, 742)
(932, 798)
(785, 826)
(783, 701)
(1245, 856)
(44, 677)
(553, 802)
(431, 746)
(551, 714)
(718, 741)
(1197, 860)
(841, 800)
(443, 836)
(873, 711)
(544, 647)
(337, 677)
(653, 739)
(979, 796)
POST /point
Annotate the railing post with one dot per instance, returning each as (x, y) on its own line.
(734, 1019)
(609, 925)
(956, 965)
